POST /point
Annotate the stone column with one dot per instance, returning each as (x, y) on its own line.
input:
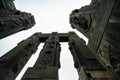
(12, 62)
(47, 65)
(86, 64)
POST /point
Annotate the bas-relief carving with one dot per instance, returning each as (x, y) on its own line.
(8, 4)
(103, 31)
(49, 50)
(84, 22)
(48, 61)
(15, 59)
(12, 20)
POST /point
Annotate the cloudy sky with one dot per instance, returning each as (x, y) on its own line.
(50, 16)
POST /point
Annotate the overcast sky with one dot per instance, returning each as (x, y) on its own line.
(50, 16)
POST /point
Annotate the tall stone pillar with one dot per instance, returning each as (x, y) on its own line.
(12, 62)
(86, 64)
(47, 65)
(100, 22)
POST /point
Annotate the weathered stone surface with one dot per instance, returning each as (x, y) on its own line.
(47, 65)
(100, 22)
(7, 4)
(12, 62)
(12, 20)
(41, 73)
(84, 60)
